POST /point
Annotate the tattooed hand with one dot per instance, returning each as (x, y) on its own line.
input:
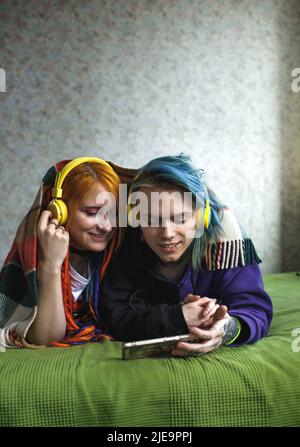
(222, 329)
(198, 311)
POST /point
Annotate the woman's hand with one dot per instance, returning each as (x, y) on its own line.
(207, 339)
(198, 311)
(53, 240)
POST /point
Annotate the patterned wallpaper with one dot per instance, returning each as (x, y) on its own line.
(129, 80)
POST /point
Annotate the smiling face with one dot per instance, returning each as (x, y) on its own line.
(83, 225)
(174, 228)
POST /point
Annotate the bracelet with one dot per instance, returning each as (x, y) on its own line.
(232, 331)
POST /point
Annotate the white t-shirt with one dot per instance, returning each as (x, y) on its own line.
(78, 282)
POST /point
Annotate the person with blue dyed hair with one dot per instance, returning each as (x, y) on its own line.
(185, 266)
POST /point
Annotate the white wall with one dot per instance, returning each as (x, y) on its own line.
(129, 80)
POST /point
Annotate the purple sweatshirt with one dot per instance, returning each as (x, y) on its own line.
(137, 302)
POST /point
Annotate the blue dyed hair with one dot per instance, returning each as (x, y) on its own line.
(178, 172)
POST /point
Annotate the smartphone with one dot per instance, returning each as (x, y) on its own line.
(153, 347)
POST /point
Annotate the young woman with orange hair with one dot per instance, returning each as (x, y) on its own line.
(62, 265)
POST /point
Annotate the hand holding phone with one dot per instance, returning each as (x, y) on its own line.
(153, 347)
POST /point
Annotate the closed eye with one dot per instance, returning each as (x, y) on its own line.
(91, 211)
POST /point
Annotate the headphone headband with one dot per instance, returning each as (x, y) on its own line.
(60, 176)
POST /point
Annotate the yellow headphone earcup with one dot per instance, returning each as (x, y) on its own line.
(207, 215)
(59, 210)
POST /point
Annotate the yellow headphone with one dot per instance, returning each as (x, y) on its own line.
(57, 206)
(206, 217)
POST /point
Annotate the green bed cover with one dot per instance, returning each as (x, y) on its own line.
(89, 385)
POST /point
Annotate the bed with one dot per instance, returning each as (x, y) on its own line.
(90, 385)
